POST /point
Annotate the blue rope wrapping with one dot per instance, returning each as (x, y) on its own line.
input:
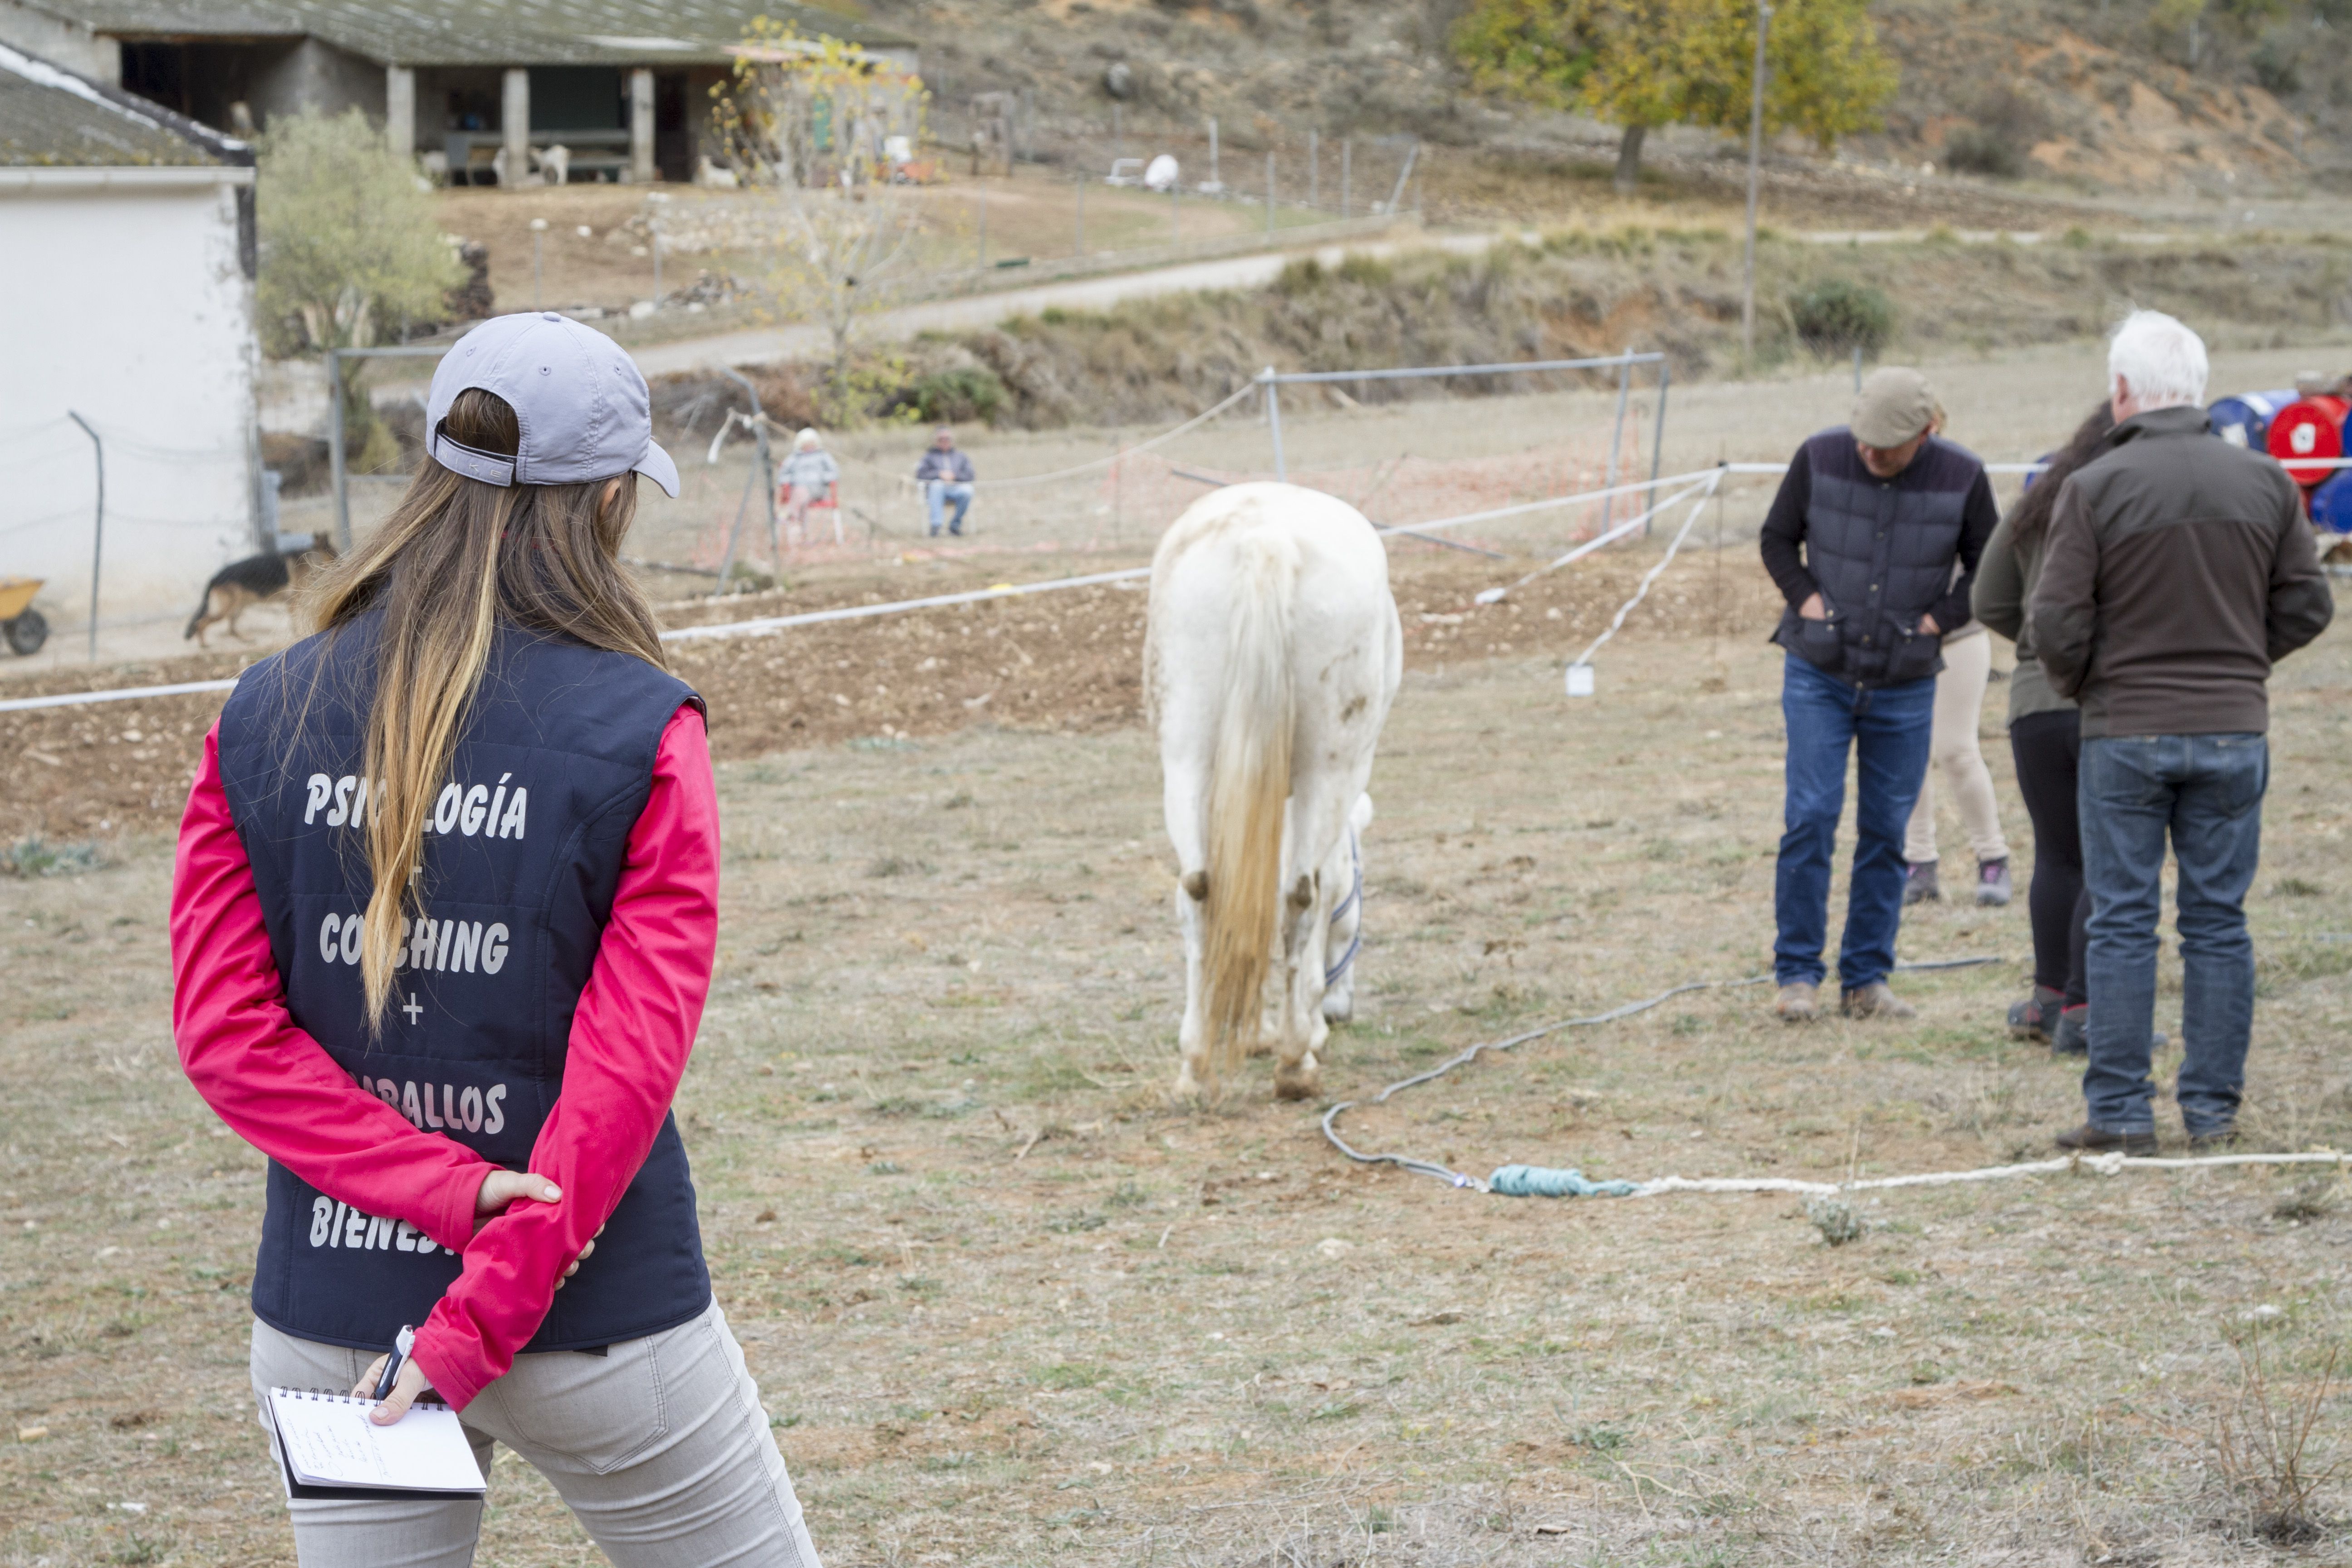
(1542, 1182)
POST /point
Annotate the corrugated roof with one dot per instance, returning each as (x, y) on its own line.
(52, 118)
(480, 32)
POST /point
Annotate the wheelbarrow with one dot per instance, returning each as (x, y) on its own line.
(24, 628)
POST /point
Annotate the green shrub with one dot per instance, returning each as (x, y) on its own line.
(2278, 65)
(952, 396)
(1972, 150)
(36, 857)
(1836, 316)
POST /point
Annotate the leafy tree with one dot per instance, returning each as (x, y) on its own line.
(1640, 63)
(810, 121)
(350, 251)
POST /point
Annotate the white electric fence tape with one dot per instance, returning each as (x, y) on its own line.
(1579, 669)
(769, 624)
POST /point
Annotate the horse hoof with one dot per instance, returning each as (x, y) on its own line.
(1295, 1084)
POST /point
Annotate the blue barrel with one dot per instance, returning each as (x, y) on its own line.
(2044, 461)
(2245, 420)
(2331, 503)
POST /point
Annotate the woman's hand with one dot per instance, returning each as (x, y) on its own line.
(578, 1260)
(502, 1187)
(410, 1383)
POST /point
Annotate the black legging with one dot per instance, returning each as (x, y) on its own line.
(2048, 749)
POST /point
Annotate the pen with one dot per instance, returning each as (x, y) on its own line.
(401, 1344)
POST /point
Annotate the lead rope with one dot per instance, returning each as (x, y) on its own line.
(1539, 1181)
(1355, 897)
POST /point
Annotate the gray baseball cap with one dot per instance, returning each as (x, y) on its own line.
(579, 398)
(1895, 405)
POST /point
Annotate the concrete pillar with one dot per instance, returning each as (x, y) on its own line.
(641, 125)
(514, 124)
(400, 110)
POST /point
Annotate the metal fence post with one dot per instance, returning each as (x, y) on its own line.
(1658, 441)
(1273, 420)
(759, 472)
(97, 527)
(1616, 437)
(336, 473)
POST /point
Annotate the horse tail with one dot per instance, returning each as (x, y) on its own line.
(1249, 785)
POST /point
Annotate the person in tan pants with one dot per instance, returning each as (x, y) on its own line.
(1959, 705)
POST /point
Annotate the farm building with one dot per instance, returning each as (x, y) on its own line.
(624, 85)
(128, 321)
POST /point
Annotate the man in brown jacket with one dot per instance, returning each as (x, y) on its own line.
(2179, 568)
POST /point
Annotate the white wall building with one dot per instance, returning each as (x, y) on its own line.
(128, 260)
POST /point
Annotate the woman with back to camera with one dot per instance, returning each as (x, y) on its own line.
(453, 1005)
(2045, 741)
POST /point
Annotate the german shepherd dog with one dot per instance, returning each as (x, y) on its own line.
(241, 585)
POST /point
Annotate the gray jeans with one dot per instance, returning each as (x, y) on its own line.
(660, 1447)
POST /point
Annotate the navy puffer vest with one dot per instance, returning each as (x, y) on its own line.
(521, 862)
(1882, 552)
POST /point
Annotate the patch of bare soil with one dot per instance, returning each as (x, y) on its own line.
(1068, 661)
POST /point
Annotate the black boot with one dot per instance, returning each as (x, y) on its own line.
(2036, 1019)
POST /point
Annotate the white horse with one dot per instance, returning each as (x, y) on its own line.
(1271, 658)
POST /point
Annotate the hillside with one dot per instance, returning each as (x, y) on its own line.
(1581, 293)
(2031, 101)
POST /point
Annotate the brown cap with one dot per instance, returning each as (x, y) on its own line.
(1895, 405)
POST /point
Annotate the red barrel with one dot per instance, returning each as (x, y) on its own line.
(2311, 429)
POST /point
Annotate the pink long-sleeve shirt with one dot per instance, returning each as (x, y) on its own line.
(276, 1088)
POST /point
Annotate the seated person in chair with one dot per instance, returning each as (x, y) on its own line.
(808, 477)
(946, 476)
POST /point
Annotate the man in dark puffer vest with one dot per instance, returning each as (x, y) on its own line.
(1862, 541)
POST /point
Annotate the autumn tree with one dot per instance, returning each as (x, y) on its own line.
(350, 254)
(1636, 63)
(813, 123)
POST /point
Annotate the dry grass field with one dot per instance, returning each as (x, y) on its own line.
(1006, 1305)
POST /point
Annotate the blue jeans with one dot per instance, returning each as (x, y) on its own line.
(2206, 791)
(938, 493)
(1887, 730)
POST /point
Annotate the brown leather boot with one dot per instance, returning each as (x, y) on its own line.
(2089, 1140)
(1876, 1001)
(1798, 1003)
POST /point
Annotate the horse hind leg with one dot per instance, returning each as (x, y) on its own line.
(1186, 791)
(1297, 1073)
(1193, 1072)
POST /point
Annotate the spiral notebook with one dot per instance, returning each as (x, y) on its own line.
(330, 1448)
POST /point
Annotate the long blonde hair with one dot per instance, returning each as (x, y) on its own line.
(455, 558)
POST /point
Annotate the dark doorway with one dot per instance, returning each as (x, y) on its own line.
(577, 98)
(673, 141)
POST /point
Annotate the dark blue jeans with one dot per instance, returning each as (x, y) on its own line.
(2206, 793)
(1887, 731)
